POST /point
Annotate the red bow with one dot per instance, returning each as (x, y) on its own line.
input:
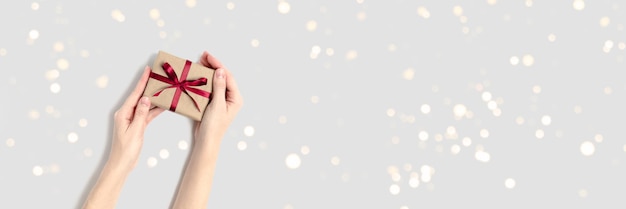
(181, 85)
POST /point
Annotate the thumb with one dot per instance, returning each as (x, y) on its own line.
(141, 113)
(219, 86)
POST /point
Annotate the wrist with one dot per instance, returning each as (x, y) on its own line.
(115, 167)
(207, 146)
(208, 139)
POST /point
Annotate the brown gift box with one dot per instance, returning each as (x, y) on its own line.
(162, 86)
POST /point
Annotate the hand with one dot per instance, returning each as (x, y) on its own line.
(129, 126)
(195, 186)
(225, 102)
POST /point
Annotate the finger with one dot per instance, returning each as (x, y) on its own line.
(141, 114)
(232, 93)
(219, 86)
(153, 113)
(121, 121)
(210, 61)
(134, 96)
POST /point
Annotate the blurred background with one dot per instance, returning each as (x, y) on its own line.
(348, 104)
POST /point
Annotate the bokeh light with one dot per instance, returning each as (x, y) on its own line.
(408, 74)
(311, 25)
(293, 161)
(514, 60)
(152, 162)
(425, 108)
(391, 112)
(33, 34)
(10, 142)
(248, 131)
(484, 133)
(164, 154)
(37, 170)
(459, 110)
(34, 6)
(102, 81)
(509, 183)
(528, 60)
(191, 3)
(551, 37)
(583, 193)
(315, 99)
(598, 138)
(255, 43)
(528, 3)
(282, 119)
(455, 149)
(117, 15)
(467, 141)
(486, 96)
(578, 5)
(242, 145)
(351, 55)
(457, 10)
(605, 21)
(52, 75)
(63, 64)
(423, 12)
(414, 180)
(155, 14)
(330, 52)
(33, 114)
(394, 189)
(335, 160)
(539, 133)
(58, 46)
(88, 152)
(587, 148)
(230, 6)
(423, 135)
(305, 150)
(183, 145)
(72, 137)
(82, 123)
(482, 156)
(284, 7)
(55, 88)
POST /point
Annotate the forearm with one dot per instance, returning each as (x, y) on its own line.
(107, 190)
(197, 179)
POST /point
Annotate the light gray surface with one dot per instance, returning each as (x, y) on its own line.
(363, 114)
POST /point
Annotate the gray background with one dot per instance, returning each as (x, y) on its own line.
(357, 105)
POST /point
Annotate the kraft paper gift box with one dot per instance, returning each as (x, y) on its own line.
(179, 85)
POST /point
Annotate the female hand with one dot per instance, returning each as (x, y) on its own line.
(130, 122)
(225, 103)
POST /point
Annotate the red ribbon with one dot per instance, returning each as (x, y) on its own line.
(181, 85)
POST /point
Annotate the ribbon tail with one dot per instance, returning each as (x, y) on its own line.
(200, 92)
(160, 91)
(190, 97)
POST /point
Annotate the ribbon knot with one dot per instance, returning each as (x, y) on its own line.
(181, 85)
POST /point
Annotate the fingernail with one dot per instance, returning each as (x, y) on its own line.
(144, 101)
(220, 73)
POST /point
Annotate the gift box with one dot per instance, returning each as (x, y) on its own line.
(179, 85)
